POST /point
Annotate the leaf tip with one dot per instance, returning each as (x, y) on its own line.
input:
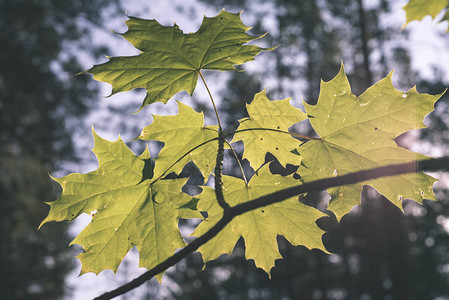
(112, 93)
(137, 137)
(390, 75)
(342, 68)
(272, 48)
(114, 32)
(438, 96)
(146, 153)
(81, 72)
(46, 220)
(159, 277)
(325, 251)
(53, 178)
(94, 133)
(85, 269)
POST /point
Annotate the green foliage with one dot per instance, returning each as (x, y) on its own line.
(170, 61)
(186, 139)
(266, 130)
(134, 205)
(291, 219)
(418, 9)
(128, 209)
(358, 133)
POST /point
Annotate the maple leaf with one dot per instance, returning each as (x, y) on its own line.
(186, 139)
(418, 9)
(266, 130)
(170, 61)
(127, 209)
(358, 133)
(259, 228)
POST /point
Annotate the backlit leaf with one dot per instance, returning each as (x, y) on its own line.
(418, 9)
(170, 60)
(127, 209)
(266, 130)
(186, 139)
(259, 228)
(358, 133)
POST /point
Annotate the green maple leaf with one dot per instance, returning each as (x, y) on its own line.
(266, 130)
(358, 133)
(259, 228)
(127, 209)
(186, 139)
(418, 9)
(170, 61)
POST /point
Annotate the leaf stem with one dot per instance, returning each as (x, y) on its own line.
(238, 161)
(304, 137)
(434, 164)
(236, 123)
(220, 153)
(179, 159)
(212, 99)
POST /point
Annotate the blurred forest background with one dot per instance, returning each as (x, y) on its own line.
(379, 252)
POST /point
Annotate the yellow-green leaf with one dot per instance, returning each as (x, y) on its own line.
(266, 130)
(416, 10)
(186, 139)
(127, 209)
(358, 133)
(170, 60)
(259, 228)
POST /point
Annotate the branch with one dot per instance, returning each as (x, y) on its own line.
(435, 164)
(219, 172)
